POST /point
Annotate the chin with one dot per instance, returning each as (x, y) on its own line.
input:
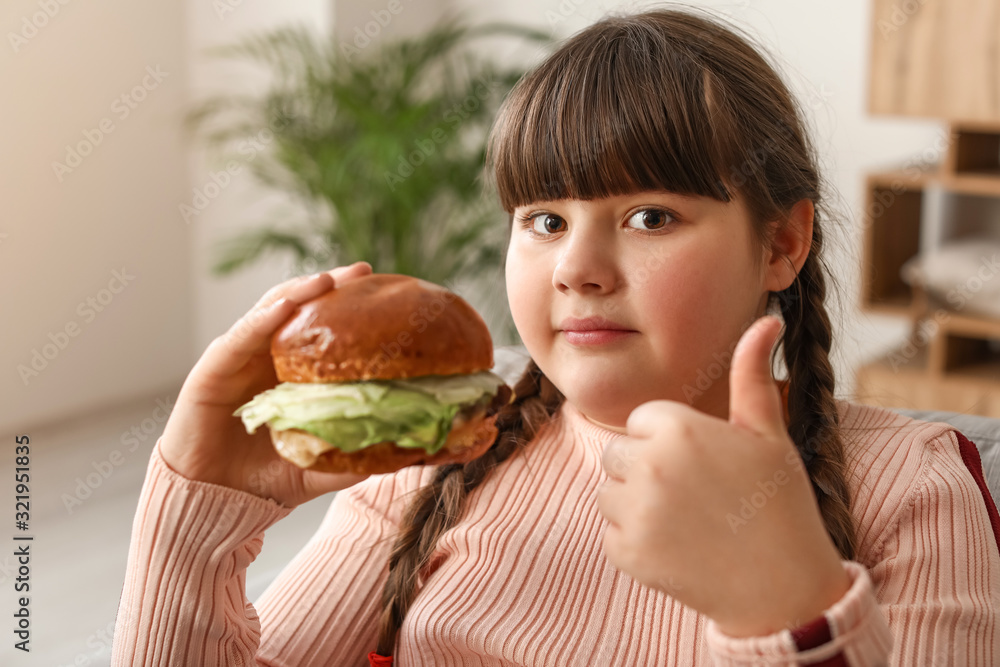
(598, 410)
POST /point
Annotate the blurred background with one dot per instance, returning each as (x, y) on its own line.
(142, 218)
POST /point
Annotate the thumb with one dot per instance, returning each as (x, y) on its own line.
(754, 399)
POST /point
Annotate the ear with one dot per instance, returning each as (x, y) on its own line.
(790, 246)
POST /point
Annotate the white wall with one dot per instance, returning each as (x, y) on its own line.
(64, 235)
(240, 205)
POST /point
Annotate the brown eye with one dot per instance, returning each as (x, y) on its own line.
(650, 219)
(545, 223)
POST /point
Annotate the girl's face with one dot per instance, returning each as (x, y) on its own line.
(675, 271)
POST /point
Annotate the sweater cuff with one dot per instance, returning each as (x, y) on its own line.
(854, 627)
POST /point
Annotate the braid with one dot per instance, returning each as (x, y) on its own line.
(814, 422)
(438, 506)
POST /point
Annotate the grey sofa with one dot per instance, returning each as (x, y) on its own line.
(984, 432)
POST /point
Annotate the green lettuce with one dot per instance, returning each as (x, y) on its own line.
(414, 413)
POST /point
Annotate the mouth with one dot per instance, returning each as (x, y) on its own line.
(591, 324)
(594, 331)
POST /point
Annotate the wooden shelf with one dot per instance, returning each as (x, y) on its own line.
(984, 182)
(900, 306)
(952, 360)
(910, 178)
(971, 326)
(893, 208)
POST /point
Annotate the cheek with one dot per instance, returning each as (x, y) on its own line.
(673, 288)
(690, 297)
(697, 306)
(525, 284)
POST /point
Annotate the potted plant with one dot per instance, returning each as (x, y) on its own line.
(385, 146)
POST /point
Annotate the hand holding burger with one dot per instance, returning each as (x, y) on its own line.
(203, 442)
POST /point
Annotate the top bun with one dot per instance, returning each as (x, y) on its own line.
(381, 326)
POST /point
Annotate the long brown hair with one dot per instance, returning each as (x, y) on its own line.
(660, 100)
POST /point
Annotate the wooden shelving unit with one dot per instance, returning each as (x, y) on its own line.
(952, 358)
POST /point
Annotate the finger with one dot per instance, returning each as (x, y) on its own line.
(251, 334)
(618, 457)
(253, 329)
(303, 288)
(609, 501)
(644, 419)
(356, 270)
(754, 400)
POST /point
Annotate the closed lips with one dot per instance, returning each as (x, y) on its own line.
(591, 324)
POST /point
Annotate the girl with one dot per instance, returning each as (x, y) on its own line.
(655, 496)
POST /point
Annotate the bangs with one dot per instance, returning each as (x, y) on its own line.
(618, 109)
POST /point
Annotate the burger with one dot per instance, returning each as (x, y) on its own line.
(382, 372)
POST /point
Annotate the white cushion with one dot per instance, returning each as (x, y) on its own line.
(960, 273)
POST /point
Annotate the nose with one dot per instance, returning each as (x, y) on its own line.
(586, 263)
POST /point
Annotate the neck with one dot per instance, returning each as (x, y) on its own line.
(609, 427)
(715, 404)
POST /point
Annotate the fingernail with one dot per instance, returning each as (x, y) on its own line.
(278, 304)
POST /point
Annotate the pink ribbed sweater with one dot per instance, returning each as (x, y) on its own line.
(522, 579)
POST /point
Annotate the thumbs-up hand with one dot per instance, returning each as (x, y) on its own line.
(721, 514)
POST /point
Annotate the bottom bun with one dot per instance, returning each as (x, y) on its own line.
(466, 441)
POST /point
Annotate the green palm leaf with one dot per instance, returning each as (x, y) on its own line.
(371, 146)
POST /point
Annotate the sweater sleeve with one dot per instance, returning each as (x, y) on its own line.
(324, 607)
(930, 596)
(184, 599)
